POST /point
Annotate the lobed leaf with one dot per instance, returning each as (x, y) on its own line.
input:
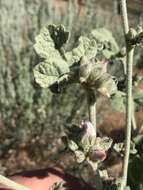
(138, 95)
(50, 40)
(118, 101)
(72, 145)
(48, 72)
(59, 186)
(47, 46)
(106, 42)
(80, 157)
(59, 35)
(85, 47)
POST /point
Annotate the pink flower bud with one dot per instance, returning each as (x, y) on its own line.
(104, 64)
(98, 155)
(89, 130)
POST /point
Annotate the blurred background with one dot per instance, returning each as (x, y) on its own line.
(32, 119)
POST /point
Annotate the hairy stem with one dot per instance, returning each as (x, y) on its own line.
(92, 107)
(128, 114)
(124, 16)
(130, 54)
(13, 185)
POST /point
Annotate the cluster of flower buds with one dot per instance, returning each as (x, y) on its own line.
(135, 37)
(97, 153)
(82, 141)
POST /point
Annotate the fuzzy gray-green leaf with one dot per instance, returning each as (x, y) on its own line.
(47, 46)
(59, 35)
(59, 186)
(72, 145)
(106, 41)
(86, 47)
(50, 40)
(80, 157)
(48, 72)
(44, 46)
(118, 101)
(138, 95)
(103, 143)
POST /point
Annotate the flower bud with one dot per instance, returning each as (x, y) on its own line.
(98, 155)
(104, 64)
(132, 34)
(89, 130)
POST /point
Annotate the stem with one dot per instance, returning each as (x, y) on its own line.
(91, 107)
(124, 16)
(128, 114)
(13, 185)
(130, 53)
(134, 124)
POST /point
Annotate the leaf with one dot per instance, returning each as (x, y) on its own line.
(103, 143)
(59, 35)
(107, 85)
(91, 143)
(118, 101)
(116, 68)
(44, 46)
(85, 47)
(47, 46)
(80, 157)
(119, 147)
(138, 95)
(135, 174)
(50, 40)
(105, 42)
(72, 145)
(48, 72)
(59, 186)
(86, 144)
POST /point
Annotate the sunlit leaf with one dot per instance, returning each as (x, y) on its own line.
(72, 145)
(138, 95)
(47, 73)
(85, 47)
(118, 101)
(80, 157)
(50, 40)
(59, 186)
(47, 46)
(106, 42)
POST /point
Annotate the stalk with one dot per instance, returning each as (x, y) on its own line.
(134, 124)
(11, 184)
(91, 99)
(130, 54)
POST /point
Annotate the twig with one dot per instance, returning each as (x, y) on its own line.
(134, 124)
(13, 185)
(92, 107)
(130, 53)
